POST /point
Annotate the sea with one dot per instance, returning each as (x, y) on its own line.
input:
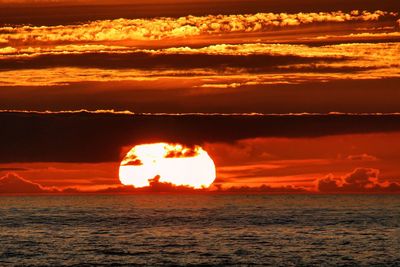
(200, 230)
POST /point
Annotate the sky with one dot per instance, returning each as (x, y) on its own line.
(285, 96)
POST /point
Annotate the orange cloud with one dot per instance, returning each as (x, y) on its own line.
(304, 63)
(166, 27)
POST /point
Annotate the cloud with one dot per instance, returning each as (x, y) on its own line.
(361, 180)
(199, 78)
(99, 137)
(182, 27)
(132, 161)
(172, 95)
(364, 157)
(134, 157)
(161, 60)
(263, 189)
(68, 76)
(182, 151)
(12, 169)
(158, 187)
(70, 190)
(154, 187)
(12, 183)
(41, 12)
(229, 66)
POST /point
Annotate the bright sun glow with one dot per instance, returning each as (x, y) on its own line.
(172, 163)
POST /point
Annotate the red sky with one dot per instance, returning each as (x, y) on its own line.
(204, 57)
(298, 156)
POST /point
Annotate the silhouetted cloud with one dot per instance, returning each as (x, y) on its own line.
(264, 189)
(155, 187)
(168, 60)
(159, 187)
(361, 180)
(12, 169)
(12, 183)
(133, 161)
(70, 191)
(362, 157)
(100, 137)
(185, 152)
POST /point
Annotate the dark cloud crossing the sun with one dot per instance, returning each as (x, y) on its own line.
(99, 137)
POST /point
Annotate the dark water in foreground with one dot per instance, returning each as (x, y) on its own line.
(191, 229)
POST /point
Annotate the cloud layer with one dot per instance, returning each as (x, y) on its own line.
(162, 28)
(214, 66)
(98, 137)
(361, 180)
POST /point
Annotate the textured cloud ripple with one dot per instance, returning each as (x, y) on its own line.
(161, 28)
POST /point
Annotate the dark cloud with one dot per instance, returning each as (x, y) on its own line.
(12, 169)
(361, 180)
(328, 184)
(361, 157)
(70, 191)
(94, 137)
(155, 187)
(168, 188)
(12, 183)
(343, 96)
(264, 189)
(134, 162)
(185, 152)
(146, 61)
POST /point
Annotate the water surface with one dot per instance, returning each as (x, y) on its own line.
(200, 229)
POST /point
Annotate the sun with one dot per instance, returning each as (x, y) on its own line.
(172, 163)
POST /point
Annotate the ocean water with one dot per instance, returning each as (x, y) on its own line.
(292, 230)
